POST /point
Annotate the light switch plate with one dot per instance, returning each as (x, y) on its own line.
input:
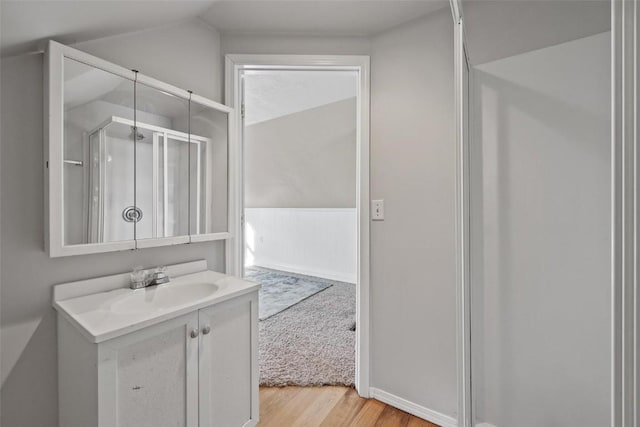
(377, 210)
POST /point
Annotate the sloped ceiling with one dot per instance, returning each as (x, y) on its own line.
(499, 28)
(495, 28)
(24, 24)
(325, 17)
(272, 94)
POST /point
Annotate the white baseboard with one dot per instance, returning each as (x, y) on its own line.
(485, 425)
(308, 272)
(412, 408)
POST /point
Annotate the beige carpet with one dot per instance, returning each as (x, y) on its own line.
(312, 342)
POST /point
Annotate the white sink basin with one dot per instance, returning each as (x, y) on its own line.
(107, 314)
(161, 297)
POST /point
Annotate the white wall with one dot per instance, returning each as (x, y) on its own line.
(497, 29)
(413, 169)
(540, 261)
(186, 55)
(313, 241)
(28, 334)
(295, 45)
(303, 160)
(413, 250)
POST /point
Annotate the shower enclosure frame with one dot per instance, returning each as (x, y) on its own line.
(463, 248)
(625, 231)
(158, 132)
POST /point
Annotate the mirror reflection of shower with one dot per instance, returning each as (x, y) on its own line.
(139, 162)
(162, 170)
(135, 134)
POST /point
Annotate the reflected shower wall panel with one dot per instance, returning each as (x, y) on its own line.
(82, 124)
(209, 161)
(161, 193)
(144, 180)
(110, 175)
(118, 179)
(163, 169)
(91, 96)
(177, 204)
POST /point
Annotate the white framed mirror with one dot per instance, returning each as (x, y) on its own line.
(131, 162)
(211, 130)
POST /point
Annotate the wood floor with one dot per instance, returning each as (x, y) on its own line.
(328, 407)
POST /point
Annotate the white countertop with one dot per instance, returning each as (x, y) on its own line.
(98, 319)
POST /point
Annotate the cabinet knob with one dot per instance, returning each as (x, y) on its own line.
(206, 330)
(194, 333)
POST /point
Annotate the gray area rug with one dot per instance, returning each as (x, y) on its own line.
(312, 342)
(281, 290)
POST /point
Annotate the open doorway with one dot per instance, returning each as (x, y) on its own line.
(300, 235)
(302, 202)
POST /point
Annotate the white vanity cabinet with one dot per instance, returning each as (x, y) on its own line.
(149, 377)
(194, 369)
(226, 361)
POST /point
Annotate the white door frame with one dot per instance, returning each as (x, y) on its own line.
(235, 65)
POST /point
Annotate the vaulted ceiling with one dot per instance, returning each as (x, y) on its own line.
(24, 24)
(499, 28)
(337, 17)
(495, 28)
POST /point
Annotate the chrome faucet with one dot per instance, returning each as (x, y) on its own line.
(141, 278)
(159, 276)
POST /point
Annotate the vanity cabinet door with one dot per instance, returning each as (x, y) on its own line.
(228, 363)
(149, 378)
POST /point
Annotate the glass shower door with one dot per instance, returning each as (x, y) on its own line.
(173, 186)
(162, 185)
(110, 177)
(162, 162)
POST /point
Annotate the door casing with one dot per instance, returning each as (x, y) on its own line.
(235, 65)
